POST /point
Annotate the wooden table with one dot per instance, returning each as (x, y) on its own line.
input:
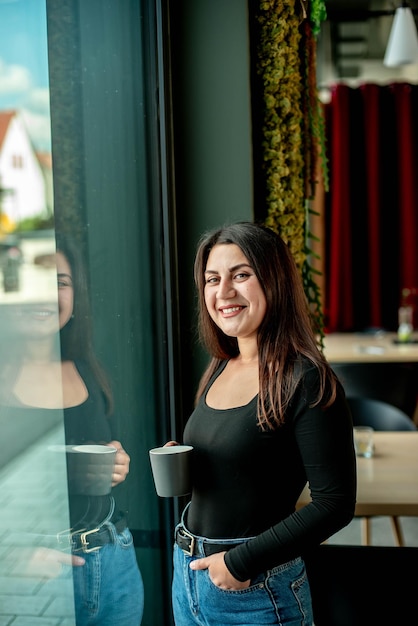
(387, 484)
(362, 347)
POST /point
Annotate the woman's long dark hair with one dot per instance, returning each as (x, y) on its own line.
(76, 337)
(286, 332)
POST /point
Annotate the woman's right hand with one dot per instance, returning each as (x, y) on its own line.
(170, 443)
(48, 563)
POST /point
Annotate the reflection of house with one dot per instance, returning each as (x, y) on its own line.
(22, 180)
(45, 161)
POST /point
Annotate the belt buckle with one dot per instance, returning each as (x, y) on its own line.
(85, 542)
(64, 537)
(185, 533)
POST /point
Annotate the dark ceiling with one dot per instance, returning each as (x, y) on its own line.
(357, 31)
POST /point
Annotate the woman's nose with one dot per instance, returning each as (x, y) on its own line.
(226, 289)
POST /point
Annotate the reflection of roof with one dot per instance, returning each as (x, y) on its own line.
(5, 119)
(45, 159)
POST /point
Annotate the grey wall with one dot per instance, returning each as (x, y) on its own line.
(212, 139)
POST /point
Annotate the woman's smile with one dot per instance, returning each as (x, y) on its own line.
(231, 310)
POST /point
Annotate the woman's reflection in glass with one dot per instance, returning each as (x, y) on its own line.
(60, 373)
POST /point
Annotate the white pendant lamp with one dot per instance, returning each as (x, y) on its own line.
(402, 48)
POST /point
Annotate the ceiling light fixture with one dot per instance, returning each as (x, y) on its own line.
(402, 47)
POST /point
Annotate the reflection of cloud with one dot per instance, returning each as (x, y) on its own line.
(38, 100)
(14, 79)
(39, 128)
(18, 92)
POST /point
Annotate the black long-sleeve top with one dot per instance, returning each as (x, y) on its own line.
(84, 423)
(246, 482)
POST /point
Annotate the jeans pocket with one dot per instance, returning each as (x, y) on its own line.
(124, 539)
(288, 586)
(254, 586)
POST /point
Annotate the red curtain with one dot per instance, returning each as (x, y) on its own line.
(371, 222)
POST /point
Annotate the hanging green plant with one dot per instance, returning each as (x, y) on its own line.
(292, 126)
(279, 66)
(317, 14)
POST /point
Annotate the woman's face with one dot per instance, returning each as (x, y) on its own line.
(44, 318)
(234, 297)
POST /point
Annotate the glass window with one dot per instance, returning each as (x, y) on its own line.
(83, 323)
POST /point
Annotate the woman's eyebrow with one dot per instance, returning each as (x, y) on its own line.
(63, 275)
(231, 269)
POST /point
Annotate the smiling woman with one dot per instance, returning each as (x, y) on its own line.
(268, 395)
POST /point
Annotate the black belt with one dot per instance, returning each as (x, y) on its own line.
(90, 540)
(188, 543)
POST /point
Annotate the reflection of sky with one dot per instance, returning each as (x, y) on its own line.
(24, 65)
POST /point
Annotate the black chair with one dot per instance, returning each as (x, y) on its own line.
(380, 416)
(394, 383)
(362, 585)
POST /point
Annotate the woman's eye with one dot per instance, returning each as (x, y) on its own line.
(241, 276)
(63, 283)
(211, 280)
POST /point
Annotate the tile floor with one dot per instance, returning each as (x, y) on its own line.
(33, 501)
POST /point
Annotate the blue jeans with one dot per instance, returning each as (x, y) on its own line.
(108, 588)
(279, 596)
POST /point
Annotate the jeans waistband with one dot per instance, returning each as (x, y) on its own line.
(193, 545)
(92, 539)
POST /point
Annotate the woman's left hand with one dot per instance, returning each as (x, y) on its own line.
(218, 572)
(122, 461)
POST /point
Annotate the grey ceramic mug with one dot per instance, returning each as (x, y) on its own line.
(171, 467)
(90, 469)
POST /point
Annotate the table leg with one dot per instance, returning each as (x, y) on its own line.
(397, 531)
(366, 531)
